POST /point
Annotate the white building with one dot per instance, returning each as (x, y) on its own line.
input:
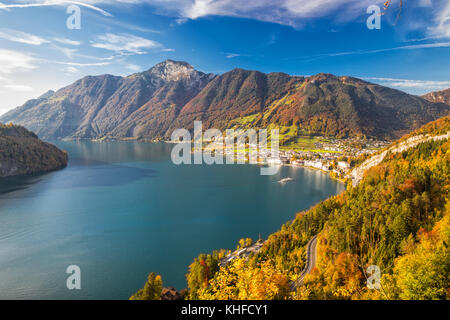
(343, 165)
(274, 160)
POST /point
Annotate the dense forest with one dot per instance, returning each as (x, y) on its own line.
(397, 219)
(21, 152)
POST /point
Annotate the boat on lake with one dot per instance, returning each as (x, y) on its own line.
(284, 180)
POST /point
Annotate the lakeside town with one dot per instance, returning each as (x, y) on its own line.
(334, 156)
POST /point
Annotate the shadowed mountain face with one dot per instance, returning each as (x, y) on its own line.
(439, 96)
(21, 152)
(171, 95)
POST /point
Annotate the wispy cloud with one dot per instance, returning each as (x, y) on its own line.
(18, 87)
(31, 39)
(12, 61)
(21, 37)
(408, 47)
(68, 52)
(67, 41)
(407, 84)
(359, 52)
(79, 64)
(133, 67)
(52, 3)
(286, 12)
(71, 70)
(294, 13)
(124, 43)
(297, 12)
(442, 22)
(235, 55)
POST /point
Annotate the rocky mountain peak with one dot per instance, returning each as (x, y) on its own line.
(170, 70)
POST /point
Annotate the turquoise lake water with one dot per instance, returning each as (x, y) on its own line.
(122, 209)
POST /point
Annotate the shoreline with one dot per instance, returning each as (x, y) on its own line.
(341, 180)
(328, 173)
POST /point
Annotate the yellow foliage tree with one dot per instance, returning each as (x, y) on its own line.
(239, 281)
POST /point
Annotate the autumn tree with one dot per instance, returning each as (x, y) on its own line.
(201, 271)
(238, 281)
(152, 289)
(424, 272)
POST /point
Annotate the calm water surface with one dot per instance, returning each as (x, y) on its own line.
(122, 209)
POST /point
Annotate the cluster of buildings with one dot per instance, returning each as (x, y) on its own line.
(242, 253)
(328, 162)
(330, 156)
(333, 156)
(352, 146)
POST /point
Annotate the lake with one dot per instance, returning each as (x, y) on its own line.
(122, 209)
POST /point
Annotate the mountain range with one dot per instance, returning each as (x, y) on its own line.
(151, 104)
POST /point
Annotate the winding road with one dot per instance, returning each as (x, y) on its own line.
(311, 255)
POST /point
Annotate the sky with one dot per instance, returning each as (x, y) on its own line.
(39, 52)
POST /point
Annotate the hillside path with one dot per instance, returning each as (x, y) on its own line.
(311, 257)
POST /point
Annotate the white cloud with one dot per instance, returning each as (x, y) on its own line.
(409, 47)
(265, 10)
(22, 37)
(442, 20)
(18, 88)
(79, 64)
(71, 70)
(415, 85)
(287, 12)
(359, 52)
(124, 43)
(12, 61)
(68, 52)
(235, 55)
(38, 3)
(181, 20)
(67, 41)
(133, 67)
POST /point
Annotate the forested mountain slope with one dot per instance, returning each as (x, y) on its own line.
(21, 152)
(397, 218)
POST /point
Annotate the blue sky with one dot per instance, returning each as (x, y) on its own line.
(38, 52)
